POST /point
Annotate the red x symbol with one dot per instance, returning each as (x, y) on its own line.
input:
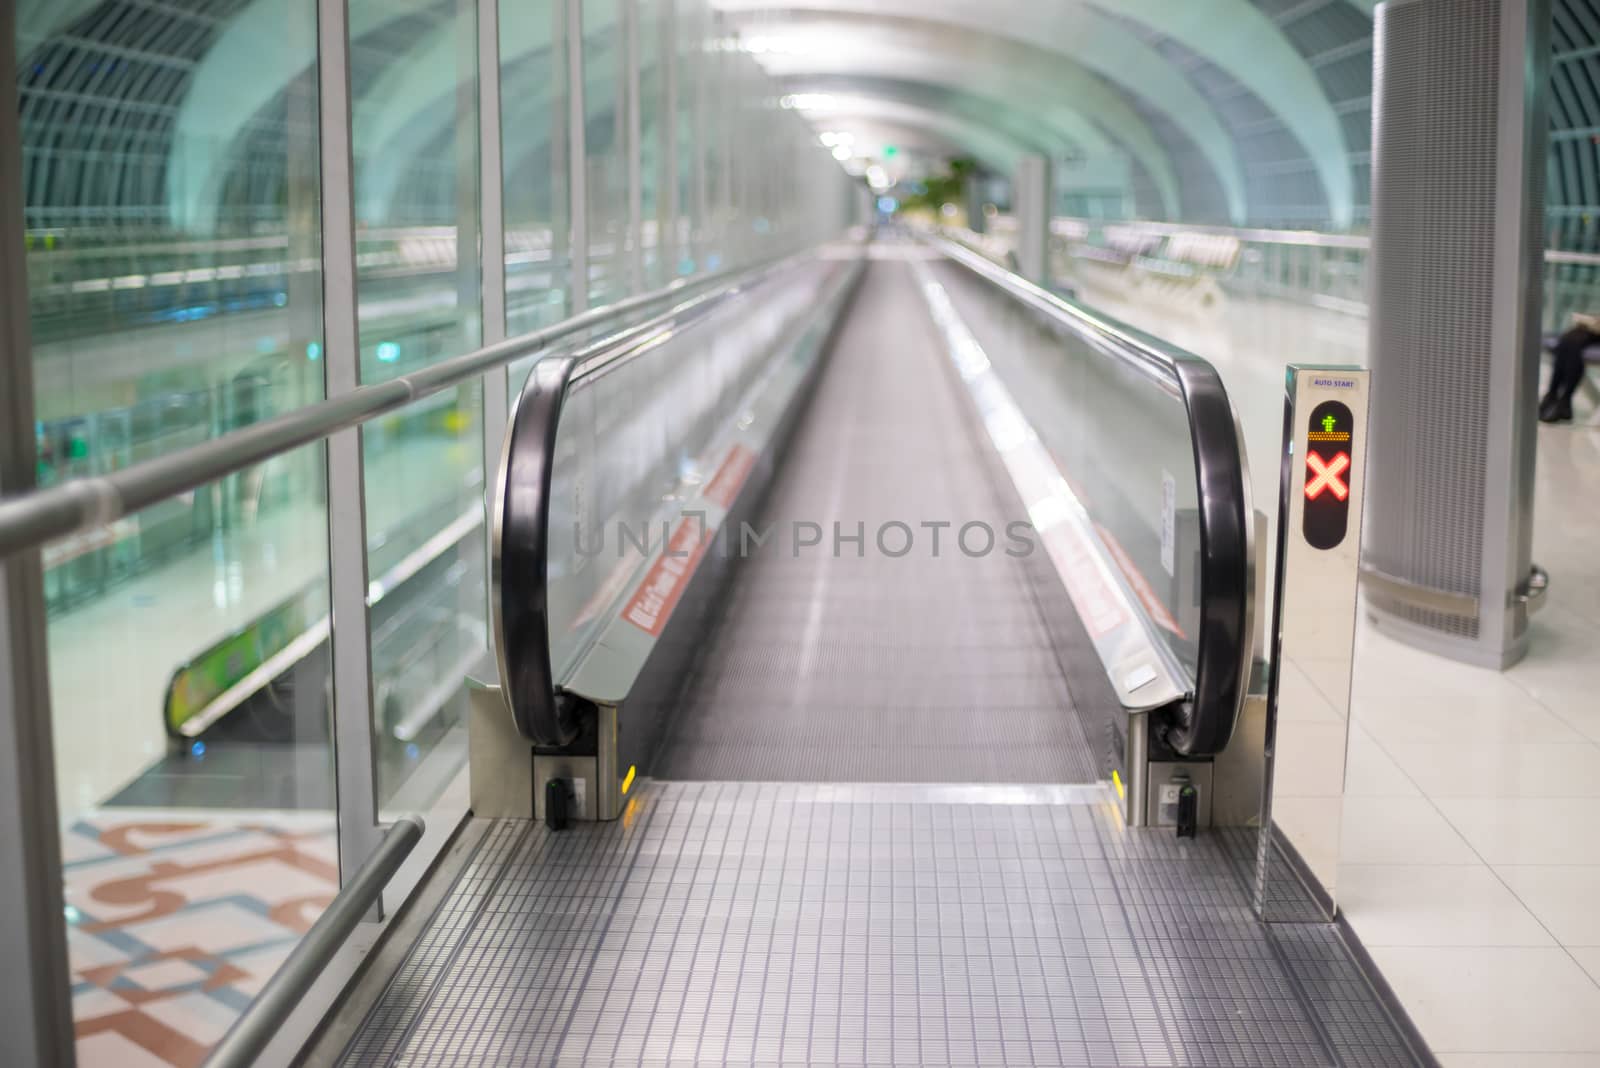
(1327, 476)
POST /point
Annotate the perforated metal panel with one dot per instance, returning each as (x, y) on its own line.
(1457, 203)
(796, 923)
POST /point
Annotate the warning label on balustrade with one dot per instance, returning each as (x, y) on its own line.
(652, 603)
(1092, 595)
(730, 477)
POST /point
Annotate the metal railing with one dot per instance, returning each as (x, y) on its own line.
(1220, 683)
(252, 1032)
(1327, 270)
(521, 510)
(31, 519)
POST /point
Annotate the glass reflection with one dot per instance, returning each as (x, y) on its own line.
(533, 105)
(416, 190)
(605, 108)
(170, 183)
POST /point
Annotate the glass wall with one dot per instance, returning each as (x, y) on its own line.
(173, 248)
(534, 154)
(688, 53)
(655, 41)
(605, 114)
(172, 252)
(197, 824)
(417, 198)
(181, 289)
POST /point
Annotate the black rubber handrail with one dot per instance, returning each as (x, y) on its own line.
(520, 538)
(1203, 724)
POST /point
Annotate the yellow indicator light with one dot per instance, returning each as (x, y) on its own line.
(1116, 780)
(627, 780)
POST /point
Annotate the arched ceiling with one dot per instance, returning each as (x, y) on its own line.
(1023, 133)
(1225, 110)
(1091, 83)
(927, 134)
(1118, 40)
(1081, 109)
(251, 62)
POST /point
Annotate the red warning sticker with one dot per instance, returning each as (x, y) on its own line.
(1141, 585)
(652, 603)
(730, 477)
(1092, 595)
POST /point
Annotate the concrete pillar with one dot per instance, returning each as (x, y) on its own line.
(1032, 188)
(1459, 141)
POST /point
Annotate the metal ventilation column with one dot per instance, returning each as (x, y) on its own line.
(1459, 136)
(1032, 193)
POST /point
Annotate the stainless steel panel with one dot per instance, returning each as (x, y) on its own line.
(499, 760)
(1327, 455)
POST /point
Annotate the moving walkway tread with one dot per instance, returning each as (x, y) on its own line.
(846, 664)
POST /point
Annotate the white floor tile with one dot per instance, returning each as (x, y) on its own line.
(1525, 830)
(1589, 958)
(1370, 772)
(1520, 1060)
(1500, 769)
(1576, 704)
(1435, 905)
(110, 1050)
(1453, 719)
(1387, 669)
(1507, 1000)
(1400, 830)
(1566, 899)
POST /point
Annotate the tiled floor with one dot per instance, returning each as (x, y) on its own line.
(1470, 864)
(176, 919)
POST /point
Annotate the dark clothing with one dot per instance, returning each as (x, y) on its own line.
(1567, 374)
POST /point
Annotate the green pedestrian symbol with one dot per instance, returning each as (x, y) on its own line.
(1327, 423)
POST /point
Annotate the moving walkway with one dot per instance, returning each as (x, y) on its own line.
(780, 781)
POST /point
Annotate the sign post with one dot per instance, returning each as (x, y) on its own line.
(1312, 640)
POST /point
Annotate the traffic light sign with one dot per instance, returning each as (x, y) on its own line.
(1330, 458)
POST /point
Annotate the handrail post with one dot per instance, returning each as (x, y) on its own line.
(492, 228)
(577, 162)
(355, 772)
(35, 1006)
(252, 1032)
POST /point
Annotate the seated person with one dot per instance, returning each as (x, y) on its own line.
(1568, 373)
